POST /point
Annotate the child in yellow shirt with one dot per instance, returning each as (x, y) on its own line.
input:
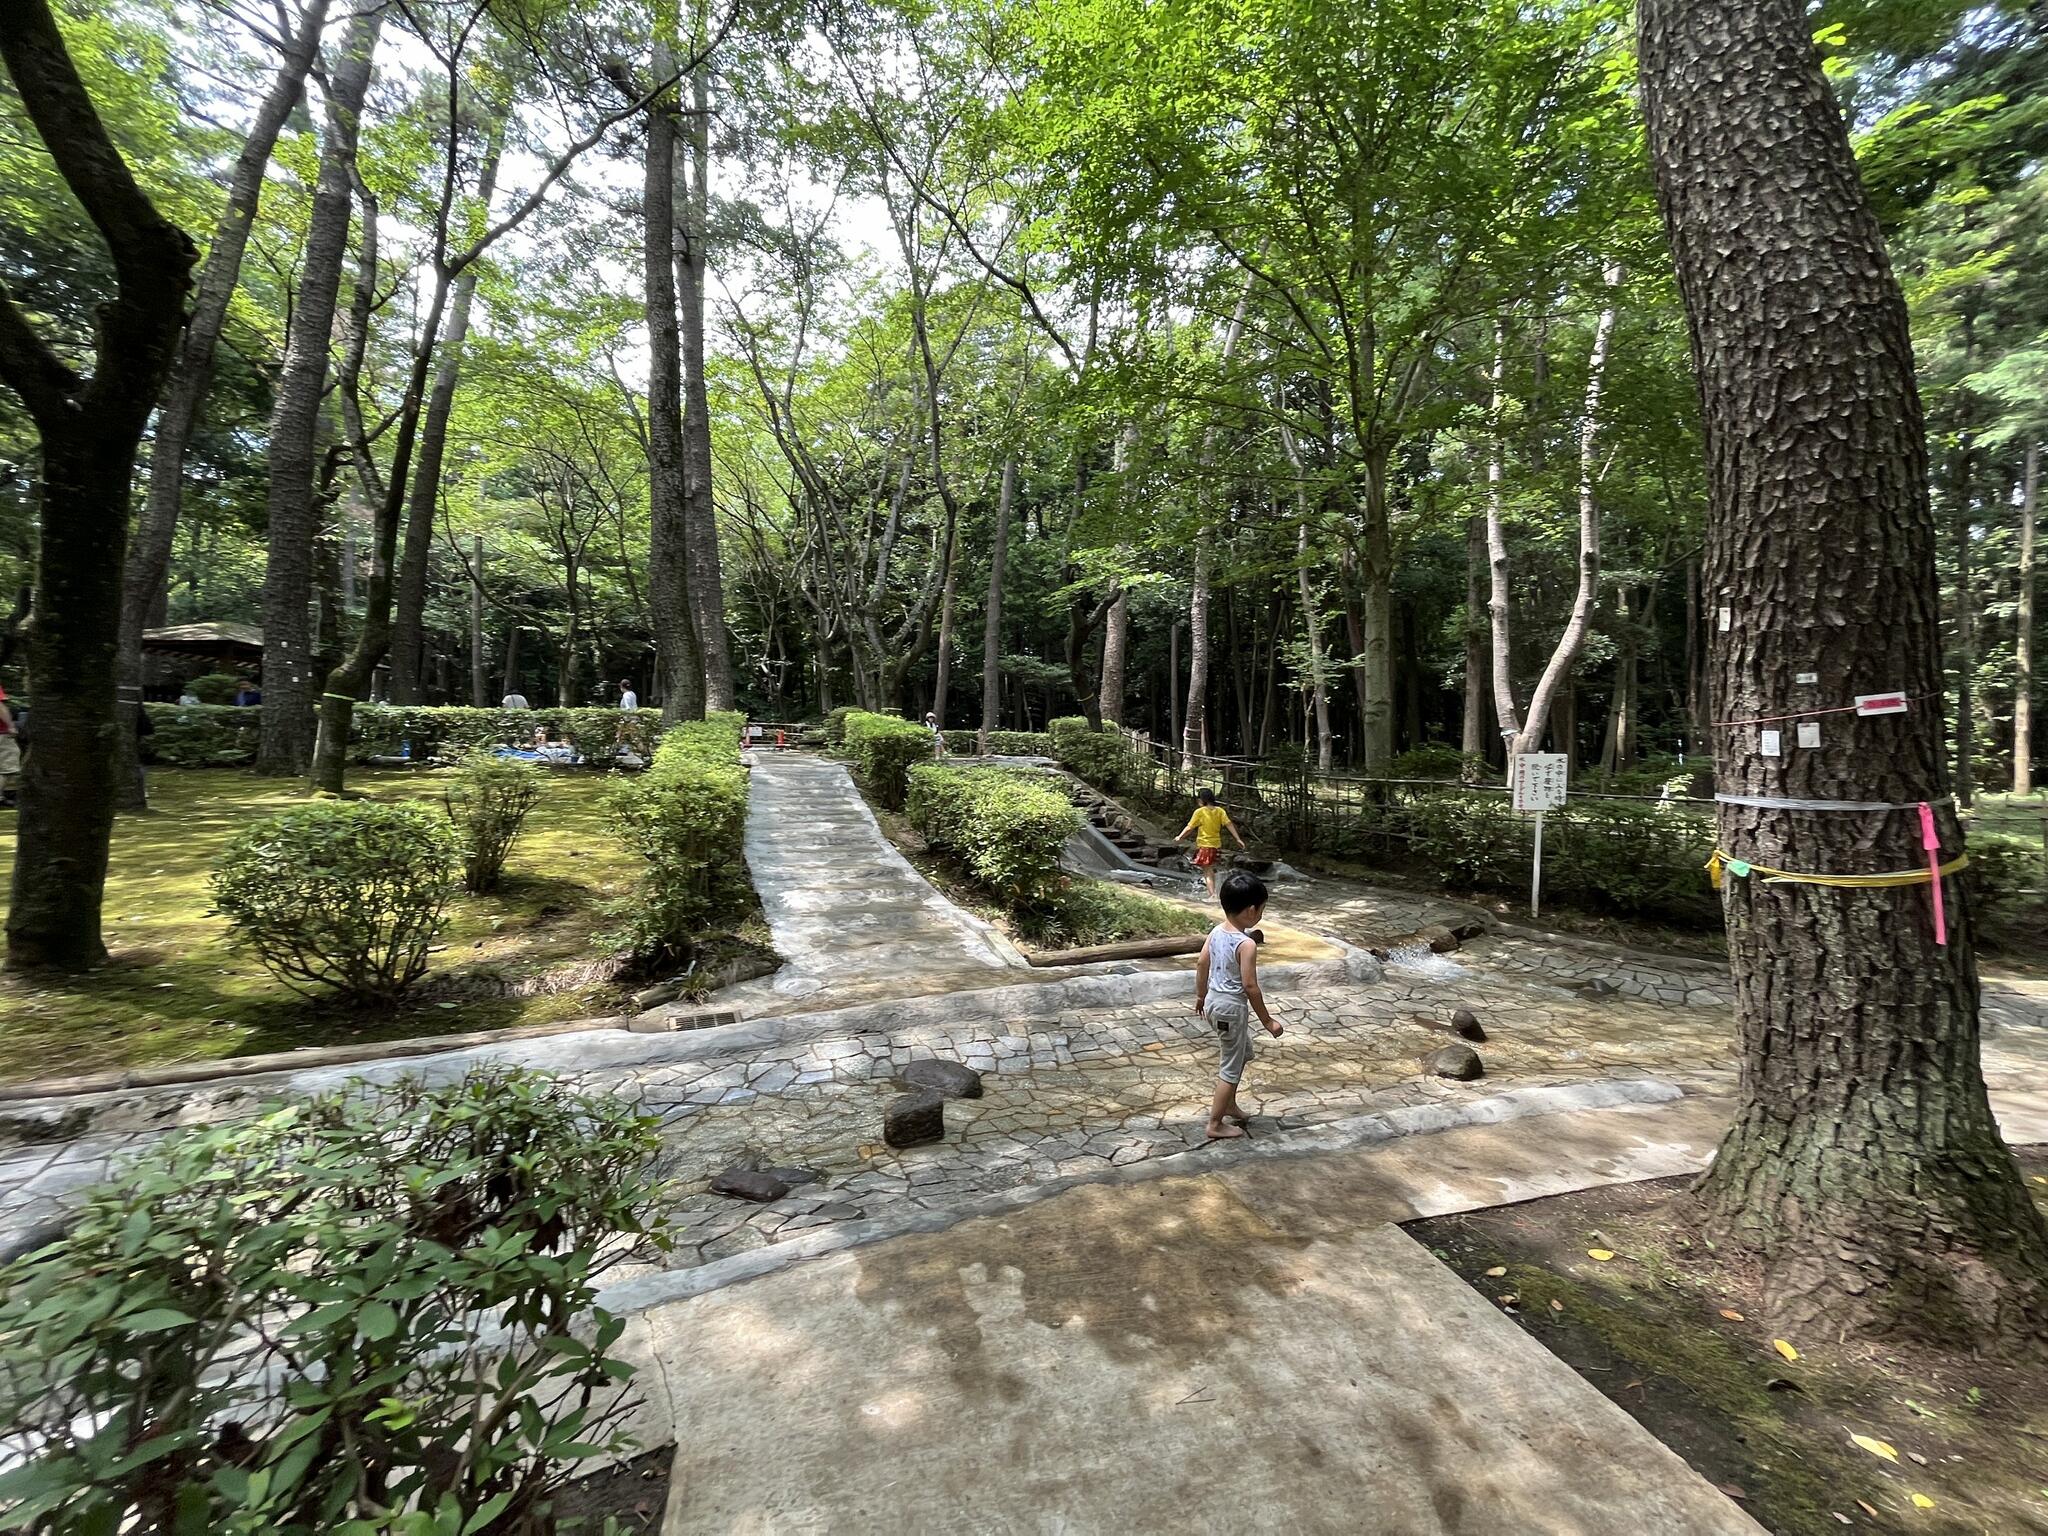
(1208, 825)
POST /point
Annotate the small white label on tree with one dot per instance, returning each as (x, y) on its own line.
(1539, 780)
(1880, 703)
(1773, 742)
(1806, 677)
(1809, 733)
(1727, 620)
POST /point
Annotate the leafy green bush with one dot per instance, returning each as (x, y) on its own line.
(488, 803)
(202, 735)
(1090, 912)
(2006, 872)
(1102, 757)
(1437, 761)
(835, 725)
(342, 894)
(883, 747)
(352, 1315)
(1003, 743)
(686, 816)
(214, 687)
(1006, 827)
(428, 731)
(1474, 842)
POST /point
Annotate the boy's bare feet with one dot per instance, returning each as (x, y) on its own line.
(1239, 1117)
(1225, 1132)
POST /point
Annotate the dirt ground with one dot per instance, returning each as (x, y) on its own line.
(632, 1493)
(1663, 1326)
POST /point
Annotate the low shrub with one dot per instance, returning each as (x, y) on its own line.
(442, 730)
(214, 687)
(834, 727)
(883, 747)
(1090, 912)
(202, 735)
(350, 1315)
(2007, 873)
(686, 816)
(1003, 743)
(341, 894)
(488, 802)
(1005, 827)
(1439, 762)
(1102, 757)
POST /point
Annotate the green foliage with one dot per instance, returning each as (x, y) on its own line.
(488, 803)
(1005, 827)
(686, 817)
(1436, 761)
(2008, 874)
(883, 747)
(202, 735)
(1002, 743)
(214, 687)
(366, 1314)
(439, 730)
(1100, 756)
(1090, 912)
(835, 726)
(341, 894)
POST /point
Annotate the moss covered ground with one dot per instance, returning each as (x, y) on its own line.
(174, 989)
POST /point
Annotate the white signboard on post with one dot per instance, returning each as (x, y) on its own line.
(1539, 781)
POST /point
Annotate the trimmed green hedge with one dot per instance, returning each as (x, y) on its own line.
(1102, 757)
(1006, 827)
(686, 816)
(883, 748)
(224, 736)
(1003, 743)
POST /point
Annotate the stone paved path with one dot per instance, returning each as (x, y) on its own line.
(849, 915)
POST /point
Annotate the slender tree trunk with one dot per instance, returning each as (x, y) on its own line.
(947, 601)
(286, 741)
(1319, 692)
(1574, 637)
(1376, 570)
(89, 430)
(676, 647)
(1173, 676)
(1966, 628)
(1472, 742)
(700, 512)
(1194, 734)
(1617, 744)
(1505, 718)
(992, 619)
(408, 636)
(2023, 637)
(1864, 1167)
(512, 657)
(1115, 641)
(479, 681)
(1695, 703)
(149, 550)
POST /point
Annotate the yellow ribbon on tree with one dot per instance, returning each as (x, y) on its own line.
(1727, 861)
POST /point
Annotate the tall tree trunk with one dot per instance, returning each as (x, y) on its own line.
(408, 636)
(1618, 743)
(1966, 623)
(149, 550)
(1376, 572)
(1472, 740)
(2023, 637)
(1173, 675)
(1194, 734)
(700, 512)
(992, 619)
(947, 601)
(1505, 718)
(1115, 642)
(512, 656)
(1695, 676)
(479, 681)
(1319, 691)
(1574, 637)
(677, 651)
(89, 430)
(286, 740)
(1864, 1167)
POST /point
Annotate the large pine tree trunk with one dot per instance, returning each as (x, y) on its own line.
(2023, 637)
(1864, 1167)
(149, 550)
(700, 513)
(408, 627)
(286, 742)
(89, 429)
(677, 651)
(992, 619)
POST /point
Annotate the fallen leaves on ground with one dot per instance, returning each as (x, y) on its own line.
(1602, 1254)
(1496, 1272)
(1875, 1447)
(1785, 1349)
(1731, 1314)
(1921, 1501)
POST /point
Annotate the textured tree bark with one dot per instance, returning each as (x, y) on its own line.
(1319, 690)
(1472, 740)
(408, 638)
(677, 652)
(2023, 638)
(1115, 645)
(944, 682)
(1573, 639)
(1376, 576)
(1505, 717)
(286, 740)
(700, 512)
(1864, 1167)
(149, 549)
(89, 429)
(992, 618)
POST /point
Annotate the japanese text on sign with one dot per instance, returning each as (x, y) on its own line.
(1539, 781)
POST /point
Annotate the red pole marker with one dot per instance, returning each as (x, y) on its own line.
(1931, 841)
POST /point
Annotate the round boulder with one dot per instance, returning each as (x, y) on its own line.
(1466, 1026)
(1458, 1062)
(948, 1079)
(914, 1118)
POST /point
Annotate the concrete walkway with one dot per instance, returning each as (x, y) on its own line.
(849, 915)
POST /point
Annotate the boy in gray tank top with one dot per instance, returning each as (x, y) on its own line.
(1227, 995)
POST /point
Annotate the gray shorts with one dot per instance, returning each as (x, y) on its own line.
(1232, 1021)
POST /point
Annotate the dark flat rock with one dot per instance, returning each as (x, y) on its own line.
(948, 1078)
(1458, 1062)
(749, 1184)
(914, 1119)
(1466, 1026)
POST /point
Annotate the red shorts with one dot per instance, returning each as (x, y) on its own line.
(1204, 857)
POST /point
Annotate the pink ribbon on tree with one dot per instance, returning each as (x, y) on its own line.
(1930, 840)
